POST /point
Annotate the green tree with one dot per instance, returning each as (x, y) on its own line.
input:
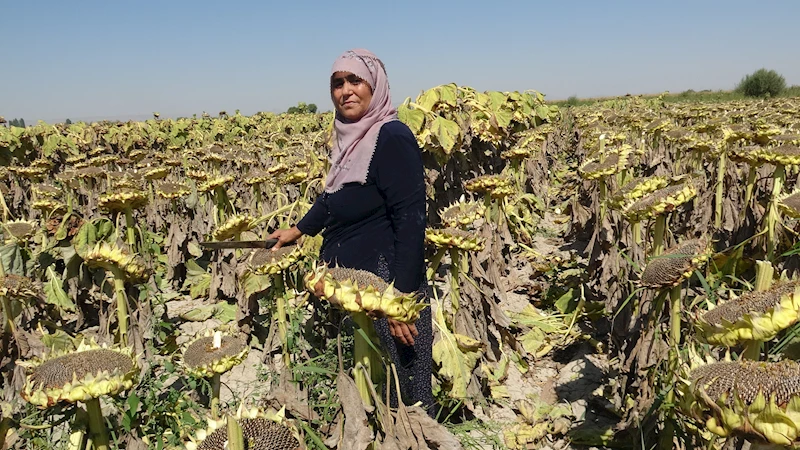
(68, 122)
(762, 83)
(302, 108)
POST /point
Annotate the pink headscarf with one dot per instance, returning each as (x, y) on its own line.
(354, 142)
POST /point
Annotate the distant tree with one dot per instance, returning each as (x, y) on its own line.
(16, 123)
(68, 122)
(302, 108)
(762, 83)
(22, 123)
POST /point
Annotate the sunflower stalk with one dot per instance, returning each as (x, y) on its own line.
(365, 356)
(719, 190)
(280, 312)
(129, 229)
(122, 305)
(455, 271)
(659, 230)
(764, 274)
(435, 261)
(97, 425)
(216, 385)
(773, 216)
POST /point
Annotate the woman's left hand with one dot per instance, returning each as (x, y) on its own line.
(402, 332)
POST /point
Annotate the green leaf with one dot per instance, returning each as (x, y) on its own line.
(414, 118)
(58, 341)
(428, 99)
(225, 312)
(12, 260)
(448, 94)
(567, 302)
(253, 284)
(200, 314)
(198, 280)
(447, 133)
(55, 294)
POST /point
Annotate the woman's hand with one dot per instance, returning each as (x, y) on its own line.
(285, 236)
(403, 333)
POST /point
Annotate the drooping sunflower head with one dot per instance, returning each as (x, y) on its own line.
(676, 264)
(748, 397)
(118, 260)
(260, 431)
(264, 261)
(90, 371)
(637, 188)
(485, 184)
(610, 162)
(786, 154)
(461, 214)
(455, 238)
(660, 201)
(171, 191)
(19, 287)
(123, 199)
(49, 206)
(46, 191)
(213, 183)
(257, 176)
(214, 353)
(362, 291)
(758, 315)
(234, 225)
(19, 230)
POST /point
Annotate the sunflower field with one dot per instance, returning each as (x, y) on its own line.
(622, 274)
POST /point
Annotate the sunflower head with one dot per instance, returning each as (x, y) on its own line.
(748, 397)
(612, 161)
(462, 213)
(215, 182)
(118, 260)
(19, 230)
(123, 199)
(170, 191)
(676, 264)
(261, 430)
(455, 238)
(660, 201)
(264, 261)
(234, 225)
(362, 291)
(214, 353)
(485, 184)
(758, 315)
(19, 287)
(638, 188)
(88, 372)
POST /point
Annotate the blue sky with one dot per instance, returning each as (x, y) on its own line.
(124, 59)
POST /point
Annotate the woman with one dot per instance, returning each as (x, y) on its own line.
(373, 208)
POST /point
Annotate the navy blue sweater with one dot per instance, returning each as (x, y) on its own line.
(378, 226)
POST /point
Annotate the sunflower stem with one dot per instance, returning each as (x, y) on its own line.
(764, 274)
(602, 199)
(658, 234)
(752, 351)
(215, 388)
(129, 229)
(97, 425)
(365, 356)
(122, 306)
(435, 261)
(455, 266)
(773, 216)
(280, 307)
(751, 183)
(10, 328)
(5, 425)
(719, 190)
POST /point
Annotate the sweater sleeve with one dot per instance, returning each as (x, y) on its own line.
(314, 220)
(400, 178)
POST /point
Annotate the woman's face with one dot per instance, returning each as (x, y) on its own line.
(351, 95)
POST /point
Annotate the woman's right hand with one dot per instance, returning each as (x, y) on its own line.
(285, 236)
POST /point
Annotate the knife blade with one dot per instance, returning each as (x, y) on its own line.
(269, 243)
